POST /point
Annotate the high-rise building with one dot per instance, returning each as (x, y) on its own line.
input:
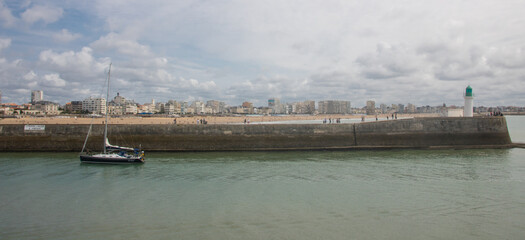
(306, 107)
(173, 105)
(36, 96)
(310, 106)
(411, 108)
(383, 108)
(272, 102)
(216, 106)
(400, 108)
(198, 106)
(275, 105)
(248, 106)
(468, 110)
(334, 107)
(370, 107)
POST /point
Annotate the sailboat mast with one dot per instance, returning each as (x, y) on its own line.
(107, 112)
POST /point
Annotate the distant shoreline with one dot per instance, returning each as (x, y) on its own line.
(193, 119)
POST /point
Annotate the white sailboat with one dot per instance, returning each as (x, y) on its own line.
(111, 153)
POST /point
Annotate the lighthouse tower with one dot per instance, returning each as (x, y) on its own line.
(468, 110)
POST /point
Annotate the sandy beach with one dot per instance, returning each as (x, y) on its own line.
(191, 120)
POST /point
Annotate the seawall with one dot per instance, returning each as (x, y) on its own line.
(478, 132)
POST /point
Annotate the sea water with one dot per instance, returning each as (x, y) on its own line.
(396, 194)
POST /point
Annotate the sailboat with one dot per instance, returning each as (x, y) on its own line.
(112, 153)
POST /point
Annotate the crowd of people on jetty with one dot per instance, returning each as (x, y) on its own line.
(498, 113)
(198, 121)
(335, 120)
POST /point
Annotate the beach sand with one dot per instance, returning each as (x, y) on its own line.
(191, 120)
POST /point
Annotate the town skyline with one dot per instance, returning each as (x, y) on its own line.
(119, 105)
(387, 51)
(38, 95)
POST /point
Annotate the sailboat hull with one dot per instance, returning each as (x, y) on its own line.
(111, 159)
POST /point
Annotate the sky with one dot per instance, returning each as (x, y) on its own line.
(424, 52)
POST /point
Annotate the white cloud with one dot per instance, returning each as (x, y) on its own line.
(42, 13)
(82, 63)
(389, 62)
(53, 80)
(63, 59)
(6, 16)
(4, 43)
(65, 36)
(507, 57)
(30, 76)
(122, 45)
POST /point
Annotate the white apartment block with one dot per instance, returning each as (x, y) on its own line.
(94, 105)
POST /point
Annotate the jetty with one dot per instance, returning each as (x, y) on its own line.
(415, 133)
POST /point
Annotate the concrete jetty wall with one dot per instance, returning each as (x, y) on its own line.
(479, 132)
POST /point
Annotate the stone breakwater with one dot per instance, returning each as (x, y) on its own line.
(425, 133)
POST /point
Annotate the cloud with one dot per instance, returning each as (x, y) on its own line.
(258, 90)
(13, 85)
(323, 49)
(456, 61)
(160, 84)
(6, 16)
(507, 57)
(389, 62)
(449, 61)
(4, 43)
(243, 50)
(45, 14)
(53, 80)
(65, 36)
(30, 76)
(122, 45)
(82, 63)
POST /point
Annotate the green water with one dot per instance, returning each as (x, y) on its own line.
(405, 194)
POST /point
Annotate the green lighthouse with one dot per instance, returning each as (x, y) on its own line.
(468, 92)
(468, 110)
